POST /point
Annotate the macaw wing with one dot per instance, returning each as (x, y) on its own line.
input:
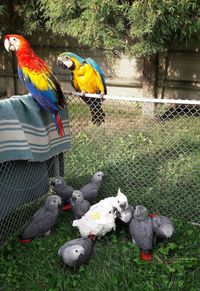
(98, 70)
(42, 87)
(74, 83)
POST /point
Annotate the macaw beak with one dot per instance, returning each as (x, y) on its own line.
(7, 44)
(59, 62)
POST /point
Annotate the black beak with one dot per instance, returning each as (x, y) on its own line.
(116, 212)
(73, 198)
(59, 63)
(123, 206)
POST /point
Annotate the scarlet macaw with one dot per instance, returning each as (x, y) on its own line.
(37, 77)
(86, 77)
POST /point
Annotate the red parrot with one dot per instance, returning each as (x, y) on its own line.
(38, 78)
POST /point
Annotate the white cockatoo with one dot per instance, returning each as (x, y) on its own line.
(119, 202)
(96, 222)
(101, 216)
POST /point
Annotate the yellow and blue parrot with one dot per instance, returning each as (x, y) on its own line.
(86, 77)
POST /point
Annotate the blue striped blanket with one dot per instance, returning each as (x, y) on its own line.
(27, 132)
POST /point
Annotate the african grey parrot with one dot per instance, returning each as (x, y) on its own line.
(79, 205)
(43, 220)
(76, 252)
(127, 214)
(141, 230)
(162, 226)
(63, 190)
(90, 190)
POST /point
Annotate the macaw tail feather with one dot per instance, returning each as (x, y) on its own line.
(58, 123)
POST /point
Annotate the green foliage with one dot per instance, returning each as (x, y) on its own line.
(142, 27)
(156, 24)
(94, 23)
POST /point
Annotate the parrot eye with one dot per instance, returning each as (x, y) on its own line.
(76, 251)
(109, 211)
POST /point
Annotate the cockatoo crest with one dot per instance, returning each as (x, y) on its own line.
(121, 201)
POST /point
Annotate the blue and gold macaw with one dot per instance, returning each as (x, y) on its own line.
(86, 77)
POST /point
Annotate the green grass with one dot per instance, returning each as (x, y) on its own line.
(114, 265)
(155, 163)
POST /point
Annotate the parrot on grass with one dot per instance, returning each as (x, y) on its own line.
(79, 205)
(76, 252)
(38, 78)
(91, 189)
(118, 203)
(162, 226)
(43, 220)
(141, 230)
(96, 222)
(86, 77)
(63, 190)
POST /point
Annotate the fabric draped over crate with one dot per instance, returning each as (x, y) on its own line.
(28, 144)
(27, 132)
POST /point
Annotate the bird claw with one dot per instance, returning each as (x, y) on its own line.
(101, 96)
(83, 93)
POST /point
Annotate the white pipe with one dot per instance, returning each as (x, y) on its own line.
(138, 99)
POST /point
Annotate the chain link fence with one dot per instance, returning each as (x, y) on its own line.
(23, 188)
(155, 161)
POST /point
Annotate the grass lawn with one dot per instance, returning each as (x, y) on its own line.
(155, 163)
(114, 265)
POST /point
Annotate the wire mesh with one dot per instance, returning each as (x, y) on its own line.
(23, 187)
(155, 161)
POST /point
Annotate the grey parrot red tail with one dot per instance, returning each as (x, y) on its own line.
(146, 256)
(25, 241)
(67, 207)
